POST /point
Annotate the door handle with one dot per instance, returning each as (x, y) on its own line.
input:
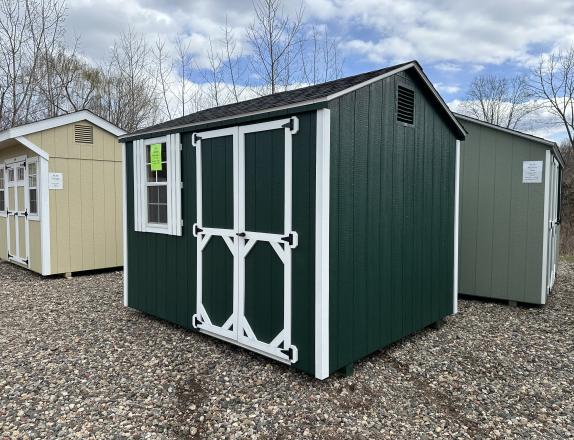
(240, 234)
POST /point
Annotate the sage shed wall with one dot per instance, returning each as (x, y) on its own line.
(501, 218)
(392, 219)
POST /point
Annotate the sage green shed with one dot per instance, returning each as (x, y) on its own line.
(313, 226)
(509, 213)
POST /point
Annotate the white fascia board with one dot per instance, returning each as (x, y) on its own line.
(58, 121)
(43, 154)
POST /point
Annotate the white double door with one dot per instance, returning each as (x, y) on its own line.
(245, 237)
(17, 203)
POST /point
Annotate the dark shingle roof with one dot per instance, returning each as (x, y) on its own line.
(268, 102)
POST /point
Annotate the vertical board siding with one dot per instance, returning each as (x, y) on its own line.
(162, 268)
(392, 220)
(501, 218)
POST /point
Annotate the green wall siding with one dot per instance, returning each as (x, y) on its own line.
(392, 220)
(162, 269)
(501, 218)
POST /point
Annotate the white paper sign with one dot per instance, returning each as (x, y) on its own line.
(56, 181)
(532, 171)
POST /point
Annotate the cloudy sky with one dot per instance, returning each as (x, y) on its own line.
(453, 40)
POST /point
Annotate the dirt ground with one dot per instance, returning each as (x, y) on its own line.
(76, 363)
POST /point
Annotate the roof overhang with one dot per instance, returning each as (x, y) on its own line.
(521, 134)
(58, 121)
(412, 65)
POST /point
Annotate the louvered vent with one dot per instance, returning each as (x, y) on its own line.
(405, 105)
(84, 134)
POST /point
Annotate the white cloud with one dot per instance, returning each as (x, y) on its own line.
(445, 88)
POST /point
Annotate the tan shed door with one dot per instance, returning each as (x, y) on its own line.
(17, 213)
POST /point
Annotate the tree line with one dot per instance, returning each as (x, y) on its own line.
(142, 82)
(509, 102)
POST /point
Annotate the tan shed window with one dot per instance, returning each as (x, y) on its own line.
(33, 187)
(83, 134)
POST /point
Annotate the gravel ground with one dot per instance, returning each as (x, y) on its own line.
(76, 363)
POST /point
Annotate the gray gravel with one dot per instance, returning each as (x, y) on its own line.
(76, 363)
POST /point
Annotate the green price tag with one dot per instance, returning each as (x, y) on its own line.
(155, 157)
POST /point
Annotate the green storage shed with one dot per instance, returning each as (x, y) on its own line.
(509, 213)
(313, 226)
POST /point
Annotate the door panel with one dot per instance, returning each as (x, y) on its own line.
(11, 219)
(17, 219)
(264, 292)
(215, 232)
(217, 182)
(265, 181)
(217, 277)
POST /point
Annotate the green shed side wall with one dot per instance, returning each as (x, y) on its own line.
(162, 268)
(391, 220)
(501, 218)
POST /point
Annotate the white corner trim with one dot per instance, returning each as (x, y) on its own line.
(58, 121)
(45, 213)
(125, 223)
(456, 228)
(43, 154)
(322, 244)
(546, 217)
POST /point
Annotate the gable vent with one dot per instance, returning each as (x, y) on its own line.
(84, 134)
(405, 105)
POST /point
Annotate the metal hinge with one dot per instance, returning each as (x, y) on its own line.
(292, 353)
(195, 321)
(196, 230)
(290, 125)
(26, 213)
(195, 139)
(292, 239)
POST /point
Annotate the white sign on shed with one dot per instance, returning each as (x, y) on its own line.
(532, 171)
(56, 181)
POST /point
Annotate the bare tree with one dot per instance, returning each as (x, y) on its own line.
(164, 75)
(213, 76)
(28, 28)
(553, 82)
(274, 39)
(501, 101)
(320, 57)
(233, 71)
(183, 66)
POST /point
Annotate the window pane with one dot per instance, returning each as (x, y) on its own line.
(161, 176)
(150, 174)
(32, 181)
(32, 168)
(33, 202)
(162, 194)
(10, 175)
(2, 202)
(147, 150)
(162, 213)
(20, 173)
(152, 194)
(152, 214)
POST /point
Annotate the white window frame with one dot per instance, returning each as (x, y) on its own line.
(4, 188)
(173, 157)
(35, 216)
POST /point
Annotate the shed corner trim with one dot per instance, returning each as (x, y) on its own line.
(322, 244)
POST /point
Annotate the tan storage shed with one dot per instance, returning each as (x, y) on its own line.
(61, 194)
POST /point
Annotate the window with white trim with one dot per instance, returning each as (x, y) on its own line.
(157, 185)
(2, 190)
(33, 186)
